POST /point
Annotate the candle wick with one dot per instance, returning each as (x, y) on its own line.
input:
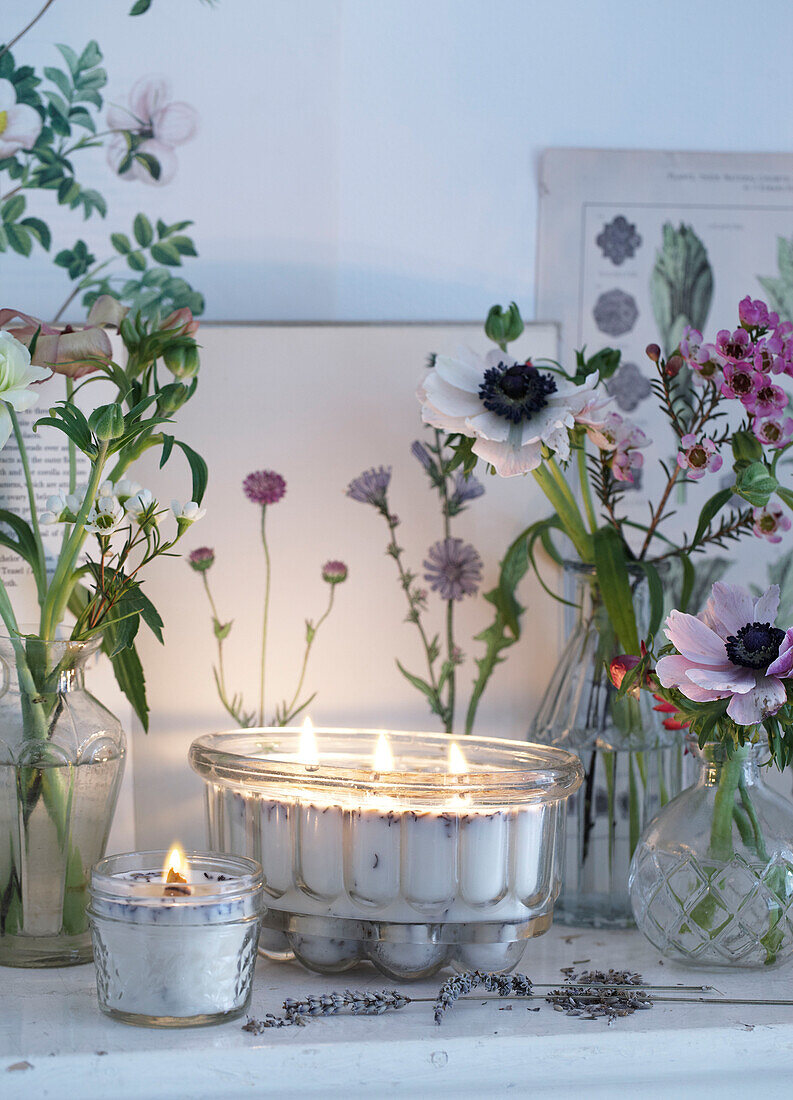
(176, 884)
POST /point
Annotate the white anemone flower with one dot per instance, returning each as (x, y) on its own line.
(16, 376)
(20, 124)
(511, 409)
(105, 516)
(187, 513)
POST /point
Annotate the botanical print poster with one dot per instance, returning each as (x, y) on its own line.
(634, 246)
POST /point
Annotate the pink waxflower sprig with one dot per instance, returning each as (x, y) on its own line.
(726, 673)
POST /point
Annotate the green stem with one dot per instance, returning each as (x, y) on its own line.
(751, 813)
(721, 825)
(41, 572)
(72, 448)
(450, 698)
(267, 575)
(558, 493)
(309, 643)
(586, 492)
(63, 580)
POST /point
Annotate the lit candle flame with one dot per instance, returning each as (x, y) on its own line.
(383, 759)
(175, 866)
(458, 765)
(308, 754)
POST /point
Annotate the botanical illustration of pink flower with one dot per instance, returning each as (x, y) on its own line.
(769, 521)
(20, 124)
(731, 651)
(698, 457)
(264, 487)
(453, 569)
(163, 124)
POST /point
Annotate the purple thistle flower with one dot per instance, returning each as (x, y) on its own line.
(201, 559)
(264, 487)
(334, 572)
(419, 451)
(453, 569)
(371, 486)
(465, 488)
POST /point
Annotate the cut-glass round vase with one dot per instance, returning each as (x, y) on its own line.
(61, 762)
(711, 881)
(632, 764)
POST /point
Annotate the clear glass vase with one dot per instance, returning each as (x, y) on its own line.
(632, 764)
(61, 762)
(712, 878)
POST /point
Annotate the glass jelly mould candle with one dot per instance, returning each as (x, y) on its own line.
(393, 847)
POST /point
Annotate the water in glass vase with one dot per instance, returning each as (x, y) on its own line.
(61, 763)
(632, 764)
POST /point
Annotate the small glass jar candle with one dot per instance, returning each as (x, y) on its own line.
(175, 948)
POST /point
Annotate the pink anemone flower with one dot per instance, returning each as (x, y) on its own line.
(731, 651)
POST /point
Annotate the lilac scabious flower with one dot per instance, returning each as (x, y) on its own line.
(453, 569)
(731, 651)
(769, 521)
(698, 457)
(334, 572)
(201, 559)
(371, 486)
(264, 487)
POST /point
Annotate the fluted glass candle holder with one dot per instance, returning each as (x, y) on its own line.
(392, 847)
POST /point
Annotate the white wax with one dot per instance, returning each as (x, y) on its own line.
(371, 846)
(484, 847)
(319, 850)
(275, 845)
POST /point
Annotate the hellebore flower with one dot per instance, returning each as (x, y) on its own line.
(16, 376)
(72, 350)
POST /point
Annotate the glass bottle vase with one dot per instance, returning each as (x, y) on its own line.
(61, 761)
(712, 878)
(632, 764)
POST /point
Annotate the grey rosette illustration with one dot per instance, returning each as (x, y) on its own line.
(628, 387)
(618, 240)
(615, 312)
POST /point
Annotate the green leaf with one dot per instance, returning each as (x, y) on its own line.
(70, 57)
(164, 252)
(137, 261)
(129, 675)
(60, 79)
(40, 231)
(91, 56)
(423, 687)
(681, 285)
(68, 191)
(13, 208)
(198, 468)
(709, 510)
(656, 596)
(167, 447)
(141, 227)
(615, 586)
(150, 163)
(756, 484)
(140, 7)
(786, 496)
(19, 239)
(25, 544)
(689, 577)
(121, 243)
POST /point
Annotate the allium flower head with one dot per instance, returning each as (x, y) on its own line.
(731, 651)
(334, 572)
(510, 409)
(201, 559)
(264, 487)
(769, 521)
(371, 486)
(453, 569)
(698, 457)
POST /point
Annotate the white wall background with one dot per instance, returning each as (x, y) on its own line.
(371, 159)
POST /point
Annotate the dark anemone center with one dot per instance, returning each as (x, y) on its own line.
(515, 392)
(755, 645)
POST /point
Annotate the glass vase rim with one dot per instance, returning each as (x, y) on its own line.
(30, 632)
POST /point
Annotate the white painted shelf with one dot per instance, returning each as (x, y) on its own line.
(55, 1043)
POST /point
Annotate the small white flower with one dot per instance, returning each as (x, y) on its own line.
(46, 518)
(187, 513)
(105, 516)
(126, 489)
(142, 506)
(106, 489)
(74, 501)
(54, 510)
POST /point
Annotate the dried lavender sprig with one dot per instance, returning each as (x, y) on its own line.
(366, 1003)
(505, 985)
